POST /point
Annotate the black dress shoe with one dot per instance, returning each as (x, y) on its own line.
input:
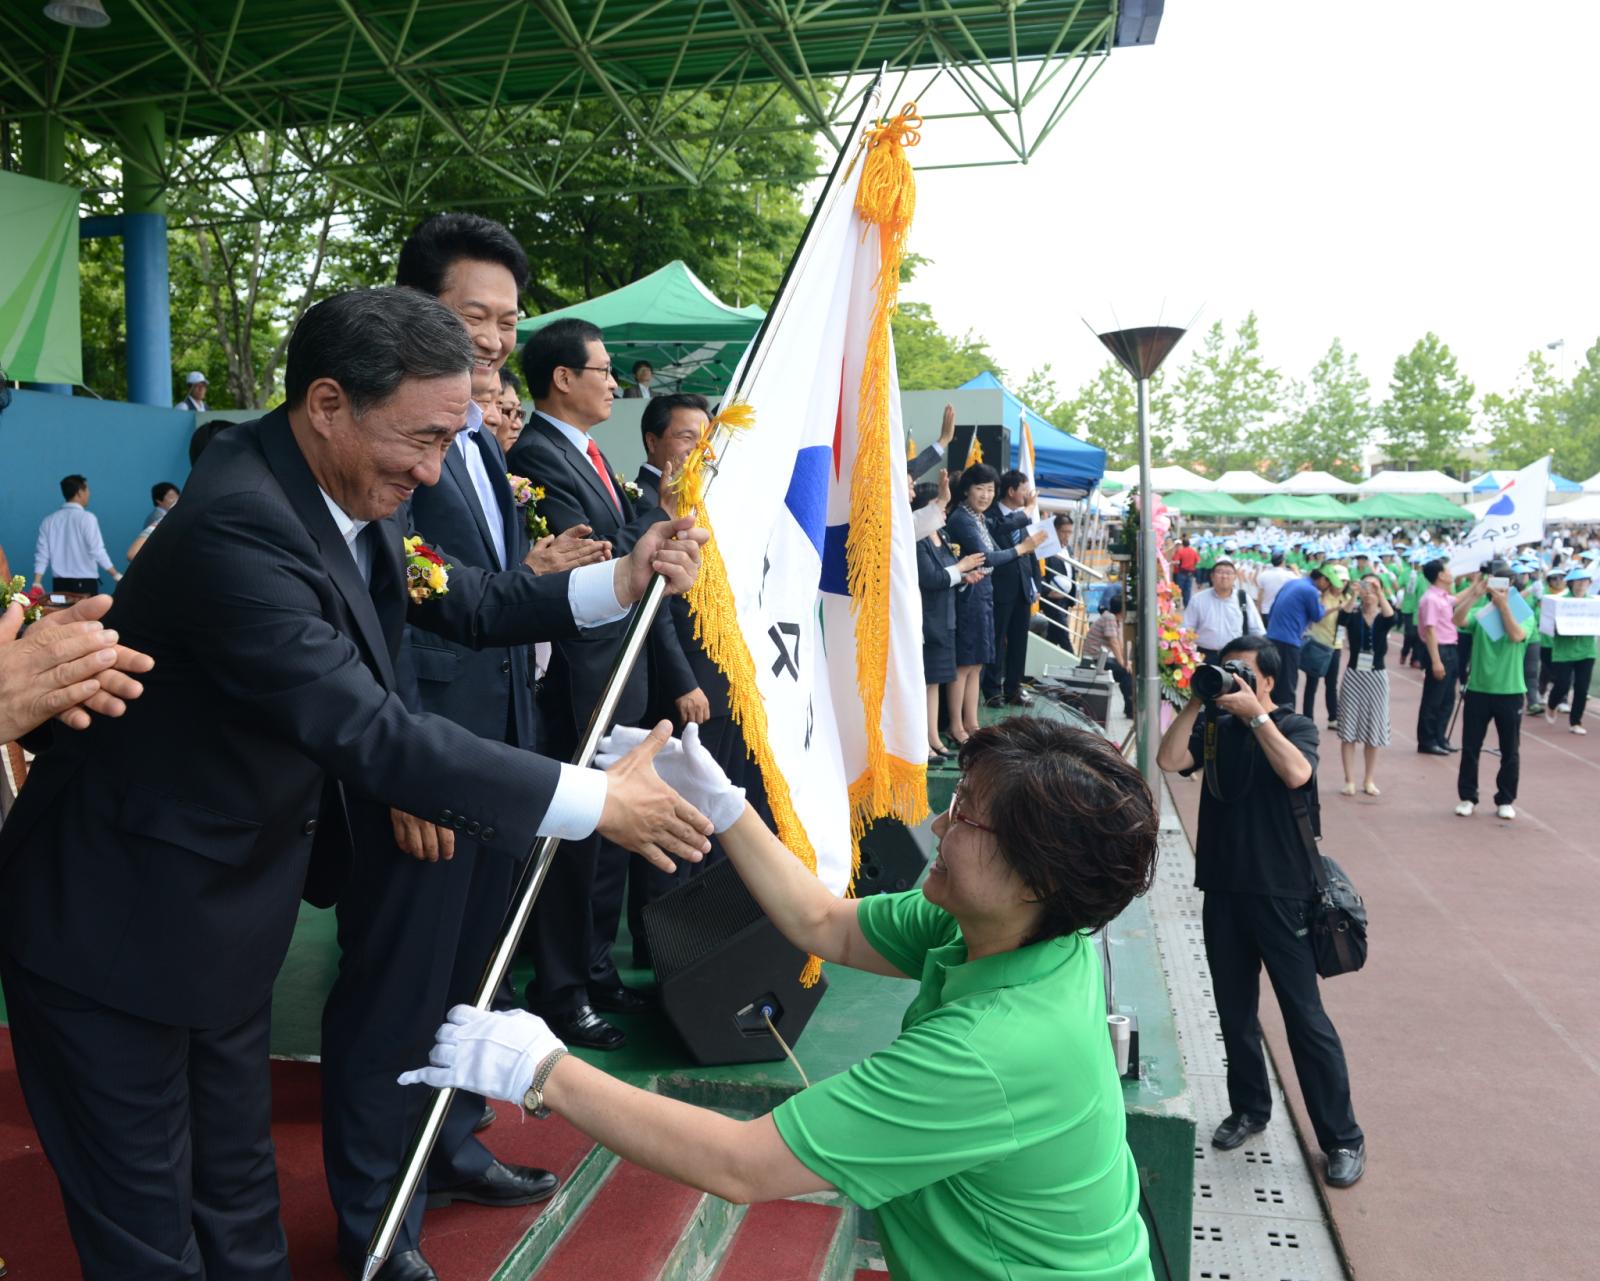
(1236, 1129)
(584, 1027)
(620, 999)
(1433, 751)
(1020, 699)
(405, 1265)
(486, 1120)
(1346, 1165)
(995, 700)
(500, 1184)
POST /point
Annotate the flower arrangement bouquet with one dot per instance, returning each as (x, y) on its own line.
(526, 495)
(427, 574)
(30, 598)
(1177, 652)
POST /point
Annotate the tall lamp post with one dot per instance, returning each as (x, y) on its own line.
(1140, 352)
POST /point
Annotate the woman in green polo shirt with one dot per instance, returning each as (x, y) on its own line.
(989, 1136)
(1571, 663)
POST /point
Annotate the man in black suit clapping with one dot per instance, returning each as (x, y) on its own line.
(570, 378)
(151, 871)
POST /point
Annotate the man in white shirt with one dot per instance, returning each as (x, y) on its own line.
(1222, 612)
(70, 544)
(195, 400)
(1270, 582)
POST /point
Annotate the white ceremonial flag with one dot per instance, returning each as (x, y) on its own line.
(1514, 519)
(838, 727)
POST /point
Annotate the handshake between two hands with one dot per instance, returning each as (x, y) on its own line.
(680, 793)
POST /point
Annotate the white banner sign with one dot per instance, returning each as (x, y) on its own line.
(1570, 616)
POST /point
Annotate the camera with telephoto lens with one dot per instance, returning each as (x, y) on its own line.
(1211, 681)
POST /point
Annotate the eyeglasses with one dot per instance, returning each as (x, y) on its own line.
(955, 815)
(610, 371)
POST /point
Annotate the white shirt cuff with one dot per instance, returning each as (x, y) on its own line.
(575, 808)
(955, 574)
(592, 594)
(938, 449)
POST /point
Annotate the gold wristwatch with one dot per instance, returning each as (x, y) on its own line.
(533, 1101)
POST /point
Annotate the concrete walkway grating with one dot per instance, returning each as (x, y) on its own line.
(1258, 1215)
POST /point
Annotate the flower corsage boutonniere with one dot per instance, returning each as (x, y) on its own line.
(31, 599)
(427, 575)
(628, 487)
(526, 495)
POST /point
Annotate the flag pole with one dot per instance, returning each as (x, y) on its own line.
(404, 1189)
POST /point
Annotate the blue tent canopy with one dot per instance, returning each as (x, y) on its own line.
(1060, 461)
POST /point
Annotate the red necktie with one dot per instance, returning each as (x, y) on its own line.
(605, 479)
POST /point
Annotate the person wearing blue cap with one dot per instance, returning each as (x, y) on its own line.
(1572, 662)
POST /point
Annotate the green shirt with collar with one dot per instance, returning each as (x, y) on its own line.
(1497, 664)
(989, 1138)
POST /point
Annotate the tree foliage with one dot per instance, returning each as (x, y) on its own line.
(1328, 422)
(1428, 416)
(1220, 398)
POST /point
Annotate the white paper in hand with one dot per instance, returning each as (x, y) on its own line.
(1051, 544)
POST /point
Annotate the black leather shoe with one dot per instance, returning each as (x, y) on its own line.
(995, 700)
(1020, 699)
(620, 999)
(1236, 1129)
(1449, 748)
(1346, 1165)
(486, 1120)
(1433, 751)
(406, 1265)
(584, 1027)
(500, 1184)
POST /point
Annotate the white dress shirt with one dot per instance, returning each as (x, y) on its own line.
(467, 442)
(580, 795)
(1273, 580)
(70, 544)
(1216, 620)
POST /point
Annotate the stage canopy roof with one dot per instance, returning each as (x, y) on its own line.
(499, 81)
(1244, 482)
(1413, 482)
(1315, 482)
(691, 337)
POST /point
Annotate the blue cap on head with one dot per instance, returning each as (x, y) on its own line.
(1592, 553)
(1581, 574)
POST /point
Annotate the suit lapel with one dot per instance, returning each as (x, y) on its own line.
(650, 484)
(456, 466)
(494, 462)
(300, 486)
(579, 462)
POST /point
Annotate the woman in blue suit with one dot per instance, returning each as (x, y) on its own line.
(969, 533)
(943, 579)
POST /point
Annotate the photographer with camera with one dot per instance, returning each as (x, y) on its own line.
(1252, 864)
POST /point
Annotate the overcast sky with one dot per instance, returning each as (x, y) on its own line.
(1366, 169)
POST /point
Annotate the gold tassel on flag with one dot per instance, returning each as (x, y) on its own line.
(886, 198)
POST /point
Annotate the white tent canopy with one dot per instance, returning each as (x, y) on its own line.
(1243, 482)
(1592, 485)
(1413, 482)
(1580, 511)
(1316, 482)
(1163, 479)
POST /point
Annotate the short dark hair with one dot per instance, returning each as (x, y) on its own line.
(160, 490)
(560, 344)
(1111, 603)
(1265, 651)
(658, 411)
(1011, 479)
(369, 341)
(642, 364)
(977, 474)
(1062, 518)
(1071, 816)
(1222, 562)
(509, 381)
(72, 486)
(436, 244)
(1277, 558)
(923, 494)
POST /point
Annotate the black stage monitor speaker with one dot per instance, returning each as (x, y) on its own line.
(995, 439)
(891, 859)
(722, 965)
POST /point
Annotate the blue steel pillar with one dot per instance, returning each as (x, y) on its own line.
(44, 156)
(147, 302)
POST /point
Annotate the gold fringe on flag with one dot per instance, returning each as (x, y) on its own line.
(886, 199)
(716, 627)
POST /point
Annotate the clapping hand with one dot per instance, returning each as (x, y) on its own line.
(66, 666)
(567, 550)
(969, 563)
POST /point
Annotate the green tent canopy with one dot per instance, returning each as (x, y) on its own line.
(691, 337)
(1191, 504)
(1283, 507)
(1434, 507)
(1325, 507)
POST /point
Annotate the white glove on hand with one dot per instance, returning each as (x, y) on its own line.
(684, 766)
(488, 1053)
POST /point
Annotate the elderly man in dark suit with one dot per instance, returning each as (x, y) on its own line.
(431, 898)
(151, 871)
(570, 378)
